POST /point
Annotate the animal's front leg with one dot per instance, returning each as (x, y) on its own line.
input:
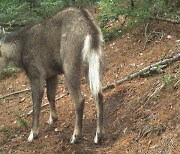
(37, 86)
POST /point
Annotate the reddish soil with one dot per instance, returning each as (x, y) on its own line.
(141, 115)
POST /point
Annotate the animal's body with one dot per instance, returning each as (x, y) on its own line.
(63, 44)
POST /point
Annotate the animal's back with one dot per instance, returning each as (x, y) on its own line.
(47, 45)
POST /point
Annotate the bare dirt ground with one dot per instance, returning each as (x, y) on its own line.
(141, 116)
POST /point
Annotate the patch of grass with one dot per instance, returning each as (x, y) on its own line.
(7, 137)
(8, 71)
(5, 131)
(15, 13)
(136, 13)
(167, 81)
(22, 121)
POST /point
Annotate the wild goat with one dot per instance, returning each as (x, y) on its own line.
(62, 44)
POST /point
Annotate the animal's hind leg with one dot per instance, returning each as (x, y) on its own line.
(100, 129)
(51, 92)
(73, 82)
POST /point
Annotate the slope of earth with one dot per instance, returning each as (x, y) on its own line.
(140, 116)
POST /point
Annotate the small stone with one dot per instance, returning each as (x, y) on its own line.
(169, 36)
(133, 64)
(56, 130)
(22, 100)
(46, 136)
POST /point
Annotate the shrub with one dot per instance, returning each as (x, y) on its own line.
(135, 12)
(19, 12)
(8, 71)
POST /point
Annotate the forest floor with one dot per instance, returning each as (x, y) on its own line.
(140, 116)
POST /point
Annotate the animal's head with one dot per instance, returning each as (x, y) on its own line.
(2, 33)
(2, 61)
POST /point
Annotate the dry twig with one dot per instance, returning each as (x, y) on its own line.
(145, 34)
(151, 36)
(16, 92)
(63, 95)
(166, 20)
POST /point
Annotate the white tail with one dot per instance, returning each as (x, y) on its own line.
(93, 58)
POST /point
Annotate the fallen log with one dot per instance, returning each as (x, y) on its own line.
(142, 71)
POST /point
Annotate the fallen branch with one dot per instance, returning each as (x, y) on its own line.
(146, 36)
(142, 71)
(43, 105)
(16, 92)
(4, 24)
(166, 20)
